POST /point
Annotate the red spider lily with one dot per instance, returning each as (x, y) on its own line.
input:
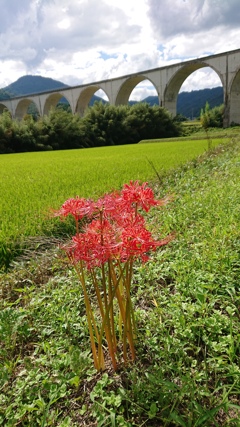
(130, 218)
(103, 241)
(114, 236)
(140, 195)
(113, 207)
(98, 244)
(137, 242)
(78, 208)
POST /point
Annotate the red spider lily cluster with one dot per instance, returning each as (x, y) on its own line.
(115, 229)
(113, 234)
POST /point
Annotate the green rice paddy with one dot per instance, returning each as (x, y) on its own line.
(32, 183)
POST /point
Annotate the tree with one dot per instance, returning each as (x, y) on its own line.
(145, 122)
(61, 130)
(212, 117)
(103, 124)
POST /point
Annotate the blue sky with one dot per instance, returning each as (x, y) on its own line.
(83, 41)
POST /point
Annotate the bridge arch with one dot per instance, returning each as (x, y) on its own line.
(52, 101)
(235, 98)
(85, 97)
(22, 108)
(174, 84)
(127, 87)
(143, 92)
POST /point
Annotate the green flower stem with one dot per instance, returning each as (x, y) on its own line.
(97, 356)
(112, 324)
(126, 310)
(116, 282)
(111, 339)
(128, 287)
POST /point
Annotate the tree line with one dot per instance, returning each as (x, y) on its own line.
(102, 125)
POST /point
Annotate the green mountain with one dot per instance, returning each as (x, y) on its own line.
(189, 104)
(4, 94)
(32, 84)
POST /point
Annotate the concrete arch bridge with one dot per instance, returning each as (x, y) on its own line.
(167, 81)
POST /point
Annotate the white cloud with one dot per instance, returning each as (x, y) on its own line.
(200, 80)
(83, 41)
(17, 68)
(192, 16)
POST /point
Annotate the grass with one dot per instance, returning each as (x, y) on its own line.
(186, 300)
(199, 133)
(31, 183)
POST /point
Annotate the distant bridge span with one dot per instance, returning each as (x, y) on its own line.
(167, 81)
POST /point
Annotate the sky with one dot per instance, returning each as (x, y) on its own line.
(84, 41)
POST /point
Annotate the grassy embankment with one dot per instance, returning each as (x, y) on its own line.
(186, 302)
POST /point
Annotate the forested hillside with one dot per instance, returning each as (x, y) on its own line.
(189, 104)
